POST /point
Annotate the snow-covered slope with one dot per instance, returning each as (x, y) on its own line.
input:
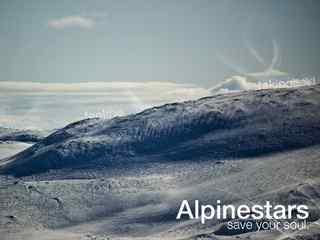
(10, 148)
(232, 125)
(141, 202)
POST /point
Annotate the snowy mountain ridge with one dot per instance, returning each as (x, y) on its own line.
(218, 127)
(10, 134)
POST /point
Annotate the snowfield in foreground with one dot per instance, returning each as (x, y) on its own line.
(141, 202)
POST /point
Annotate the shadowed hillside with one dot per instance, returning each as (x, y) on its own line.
(223, 126)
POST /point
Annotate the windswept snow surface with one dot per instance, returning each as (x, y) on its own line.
(141, 202)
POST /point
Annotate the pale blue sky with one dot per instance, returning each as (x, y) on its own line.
(199, 42)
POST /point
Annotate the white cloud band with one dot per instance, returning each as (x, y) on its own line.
(154, 91)
(71, 21)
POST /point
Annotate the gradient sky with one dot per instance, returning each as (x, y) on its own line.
(200, 42)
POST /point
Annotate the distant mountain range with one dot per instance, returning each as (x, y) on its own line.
(10, 134)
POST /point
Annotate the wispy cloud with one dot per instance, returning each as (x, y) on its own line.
(228, 62)
(276, 56)
(72, 21)
(254, 52)
(270, 70)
